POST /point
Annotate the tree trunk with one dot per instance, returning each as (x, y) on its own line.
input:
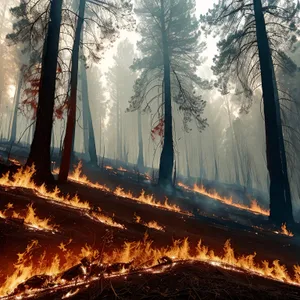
(13, 132)
(140, 161)
(167, 155)
(70, 130)
(280, 198)
(87, 113)
(40, 148)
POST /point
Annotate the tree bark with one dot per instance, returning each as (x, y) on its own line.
(39, 155)
(167, 154)
(280, 197)
(71, 122)
(140, 161)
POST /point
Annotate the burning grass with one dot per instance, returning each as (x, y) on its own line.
(30, 219)
(254, 207)
(80, 178)
(67, 269)
(23, 179)
(151, 224)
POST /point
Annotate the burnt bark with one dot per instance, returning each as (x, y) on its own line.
(167, 154)
(39, 155)
(280, 197)
(71, 121)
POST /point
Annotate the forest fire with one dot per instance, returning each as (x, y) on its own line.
(151, 224)
(30, 219)
(254, 207)
(30, 278)
(150, 200)
(23, 179)
(80, 178)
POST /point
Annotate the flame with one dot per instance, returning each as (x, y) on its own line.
(254, 207)
(142, 255)
(151, 224)
(80, 178)
(30, 219)
(150, 200)
(105, 219)
(122, 169)
(23, 179)
(108, 167)
(284, 231)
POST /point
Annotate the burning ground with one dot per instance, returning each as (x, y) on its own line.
(122, 238)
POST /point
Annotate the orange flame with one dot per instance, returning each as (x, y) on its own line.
(151, 224)
(285, 231)
(254, 207)
(142, 255)
(30, 219)
(23, 179)
(106, 220)
(80, 178)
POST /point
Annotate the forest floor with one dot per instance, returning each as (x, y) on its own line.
(209, 220)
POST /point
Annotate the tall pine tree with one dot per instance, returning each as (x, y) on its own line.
(170, 56)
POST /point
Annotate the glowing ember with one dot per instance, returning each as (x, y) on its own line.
(15, 162)
(254, 207)
(140, 256)
(30, 219)
(151, 224)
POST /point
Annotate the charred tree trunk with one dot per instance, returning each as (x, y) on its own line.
(70, 130)
(13, 132)
(280, 197)
(87, 112)
(167, 155)
(40, 148)
(140, 161)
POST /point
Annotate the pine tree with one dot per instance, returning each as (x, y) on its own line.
(170, 56)
(255, 34)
